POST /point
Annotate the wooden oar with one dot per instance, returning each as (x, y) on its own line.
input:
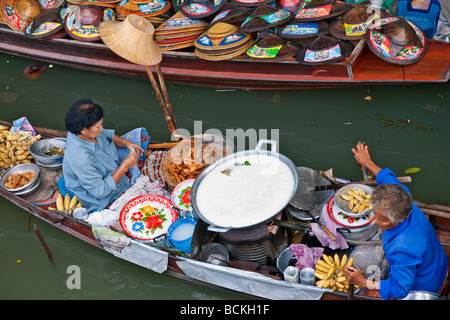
(44, 244)
(166, 95)
(168, 115)
(367, 182)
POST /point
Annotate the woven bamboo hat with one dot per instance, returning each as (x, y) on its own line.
(143, 9)
(221, 42)
(50, 4)
(265, 17)
(250, 3)
(47, 23)
(18, 14)
(179, 32)
(317, 10)
(132, 39)
(201, 8)
(289, 5)
(304, 30)
(271, 48)
(82, 22)
(323, 50)
(354, 23)
(397, 40)
(231, 13)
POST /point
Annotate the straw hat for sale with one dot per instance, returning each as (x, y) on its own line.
(231, 13)
(289, 5)
(250, 3)
(143, 9)
(50, 4)
(265, 17)
(132, 39)
(317, 10)
(222, 42)
(179, 32)
(201, 8)
(304, 30)
(47, 23)
(18, 14)
(82, 22)
(397, 40)
(323, 50)
(354, 23)
(271, 48)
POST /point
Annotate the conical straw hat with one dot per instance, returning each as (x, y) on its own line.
(132, 39)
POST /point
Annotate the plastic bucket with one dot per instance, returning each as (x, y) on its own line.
(179, 234)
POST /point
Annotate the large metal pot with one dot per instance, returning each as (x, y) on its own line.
(257, 151)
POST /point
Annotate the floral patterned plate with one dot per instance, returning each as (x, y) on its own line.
(350, 222)
(181, 195)
(147, 217)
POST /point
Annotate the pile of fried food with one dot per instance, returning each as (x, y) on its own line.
(330, 272)
(19, 180)
(189, 158)
(359, 200)
(14, 147)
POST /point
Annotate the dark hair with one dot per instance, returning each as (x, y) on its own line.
(392, 200)
(83, 114)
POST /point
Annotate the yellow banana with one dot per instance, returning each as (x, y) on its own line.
(341, 279)
(79, 205)
(321, 268)
(330, 272)
(344, 261)
(13, 137)
(328, 260)
(66, 201)
(2, 127)
(73, 202)
(60, 203)
(336, 260)
(350, 262)
(320, 283)
(323, 263)
(320, 275)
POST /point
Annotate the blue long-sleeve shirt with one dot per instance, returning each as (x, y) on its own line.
(87, 168)
(416, 258)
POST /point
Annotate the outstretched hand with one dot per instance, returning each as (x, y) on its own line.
(362, 157)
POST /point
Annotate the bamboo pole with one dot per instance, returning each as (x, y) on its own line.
(168, 116)
(166, 95)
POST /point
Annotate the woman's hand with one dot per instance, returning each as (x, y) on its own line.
(354, 276)
(362, 157)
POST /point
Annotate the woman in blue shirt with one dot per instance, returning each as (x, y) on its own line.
(417, 261)
(91, 166)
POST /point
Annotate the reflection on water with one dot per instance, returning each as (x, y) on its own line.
(316, 129)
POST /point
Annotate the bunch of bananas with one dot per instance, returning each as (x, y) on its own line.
(66, 204)
(14, 147)
(330, 271)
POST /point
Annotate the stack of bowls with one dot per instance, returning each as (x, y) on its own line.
(39, 149)
(22, 168)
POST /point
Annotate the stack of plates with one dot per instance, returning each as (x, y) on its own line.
(179, 32)
(222, 42)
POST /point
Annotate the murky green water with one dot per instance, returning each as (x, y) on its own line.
(315, 128)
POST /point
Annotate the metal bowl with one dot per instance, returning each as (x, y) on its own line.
(343, 205)
(39, 148)
(30, 190)
(21, 168)
(422, 295)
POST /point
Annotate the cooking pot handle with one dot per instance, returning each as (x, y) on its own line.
(343, 229)
(217, 229)
(273, 143)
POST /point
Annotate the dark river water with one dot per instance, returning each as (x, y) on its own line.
(405, 127)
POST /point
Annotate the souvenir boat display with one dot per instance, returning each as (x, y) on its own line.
(299, 22)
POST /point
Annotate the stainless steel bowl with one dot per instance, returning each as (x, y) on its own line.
(343, 205)
(39, 148)
(21, 168)
(422, 295)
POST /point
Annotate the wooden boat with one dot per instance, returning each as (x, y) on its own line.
(362, 67)
(256, 282)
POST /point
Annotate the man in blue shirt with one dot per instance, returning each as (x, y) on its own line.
(91, 166)
(416, 258)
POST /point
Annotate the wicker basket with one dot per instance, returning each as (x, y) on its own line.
(190, 157)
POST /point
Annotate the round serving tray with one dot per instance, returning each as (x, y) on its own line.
(181, 195)
(347, 221)
(147, 217)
